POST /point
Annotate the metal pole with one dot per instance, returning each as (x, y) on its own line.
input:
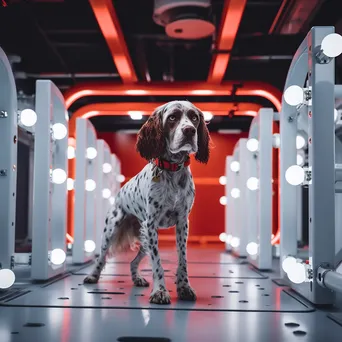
(329, 279)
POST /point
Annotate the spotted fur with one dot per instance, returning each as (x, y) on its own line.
(143, 206)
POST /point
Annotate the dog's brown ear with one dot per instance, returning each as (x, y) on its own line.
(203, 141)
(151, 142)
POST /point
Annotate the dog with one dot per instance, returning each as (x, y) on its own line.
(159, 197)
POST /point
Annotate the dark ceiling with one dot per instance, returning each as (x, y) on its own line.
(62, 38)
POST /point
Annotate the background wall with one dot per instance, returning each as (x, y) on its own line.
(207, 216)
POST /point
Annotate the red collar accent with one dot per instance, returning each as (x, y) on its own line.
(166, 165)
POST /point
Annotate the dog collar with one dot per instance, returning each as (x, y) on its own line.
(168, 166)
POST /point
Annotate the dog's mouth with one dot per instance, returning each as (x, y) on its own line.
(185, 146)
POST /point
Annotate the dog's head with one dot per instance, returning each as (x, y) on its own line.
(177, 127)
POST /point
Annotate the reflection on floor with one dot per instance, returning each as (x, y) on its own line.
(235, 303)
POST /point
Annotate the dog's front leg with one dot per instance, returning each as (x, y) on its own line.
(184, 290)
(159, 294)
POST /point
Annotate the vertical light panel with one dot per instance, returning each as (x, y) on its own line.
(49, 215)
(8, 161)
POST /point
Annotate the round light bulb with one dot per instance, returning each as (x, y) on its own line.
(300, 160)
(288, 263)
(7, 278)
(223, 180)
(235, 242)
(59, 131)
(70, 184)
(135, 115)
(235, 166)
(252, 145)
(111, 200)
(28, 117)
(89, 246)
(223, 200)
(300, 142)
(229, 238)
(106, 168)
(297, 273)
(57, 256)
(252, 183)
(223, 237)
(59, 176)
(294, 95)
(332, 45)
(295, 175)
(90, 185)
(71, 152)
(276, 140)
(120, 178)
(91, 153)
(207, 116)
(106, 193)
(252, 248)
(335, 114)
(235, 193)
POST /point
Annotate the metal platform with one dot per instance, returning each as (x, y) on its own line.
(239, 306)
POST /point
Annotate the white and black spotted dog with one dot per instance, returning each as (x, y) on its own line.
(160, 196)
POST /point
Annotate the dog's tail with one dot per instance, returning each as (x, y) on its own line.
(125, 237)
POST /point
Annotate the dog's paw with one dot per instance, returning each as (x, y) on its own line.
(90, 279)
(160, 297)
(186, 293)
(141, 282)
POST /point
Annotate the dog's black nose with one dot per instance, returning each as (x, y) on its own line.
(189, 131)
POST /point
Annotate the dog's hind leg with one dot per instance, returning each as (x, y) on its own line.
(114, 218)
(137, 279)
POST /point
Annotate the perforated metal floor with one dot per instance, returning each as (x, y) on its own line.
(240, 306)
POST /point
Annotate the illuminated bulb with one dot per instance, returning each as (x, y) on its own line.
(106, 168)
(252, 248)
(300, 160)
(229, 238)
(297, 273)
(135, 115)
(57, 256)
(111, 200)
(70, 184)
(294, 95)
(235, 242)
(252, 145)
(335, 114)
(332, 45)
(106, 193)
(208, 116)
(252, 183)
(91, 153)
(300, 142)
(59, 176)
(90, 185)
(276, 140)
(223, 200)
(71, 152)
(28, 117)
(7, 278)
(223, 237)
(288, 263)
(120, 178)
(89, 246)
(295, 175)
(235, 166)
(59, 131)
(223, 180)
(235, 193)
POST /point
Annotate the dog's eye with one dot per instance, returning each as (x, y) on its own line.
(172, 117)
(194, 118)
